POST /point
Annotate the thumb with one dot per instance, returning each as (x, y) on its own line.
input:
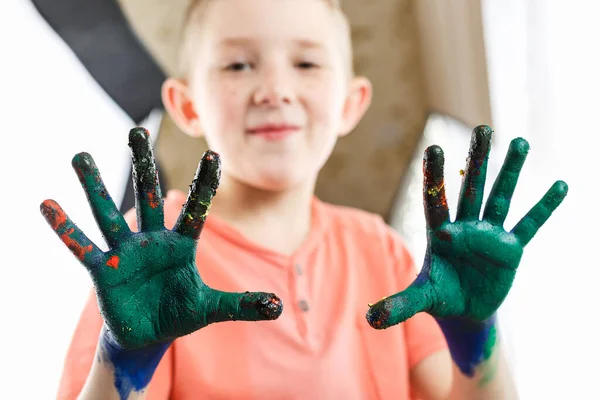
(248, 306)
(398, 308)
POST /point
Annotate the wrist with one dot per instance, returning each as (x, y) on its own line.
(470, 342)
(133, 368)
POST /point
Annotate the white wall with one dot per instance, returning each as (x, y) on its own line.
(544, 73)
(544, 76)
(50, 110)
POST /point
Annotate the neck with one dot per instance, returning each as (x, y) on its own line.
(278, 220)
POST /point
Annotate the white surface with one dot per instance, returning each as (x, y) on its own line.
(51, 109)
(544, 62)
(544, 65)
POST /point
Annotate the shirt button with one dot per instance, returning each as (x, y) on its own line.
(298, 269)
(303, 304)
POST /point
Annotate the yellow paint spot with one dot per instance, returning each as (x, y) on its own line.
(207, 208)
(434, 191)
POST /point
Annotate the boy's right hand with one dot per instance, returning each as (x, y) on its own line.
(147, 283)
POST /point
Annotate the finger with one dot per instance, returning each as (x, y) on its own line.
(203, 188)
(82, 247)
(434, 193)
(496, 208)
(148, 196)
(107, 215)
(398, 308)
(528, 226)
(248, 306)
(471, 191)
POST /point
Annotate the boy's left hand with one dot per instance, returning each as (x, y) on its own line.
(470, 264)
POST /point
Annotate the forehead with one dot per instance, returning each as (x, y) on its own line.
(306, 23)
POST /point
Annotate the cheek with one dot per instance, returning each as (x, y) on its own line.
(224, 105)
(326, 105)
(231, 107)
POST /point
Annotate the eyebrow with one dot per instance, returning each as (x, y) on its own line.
(245, 41)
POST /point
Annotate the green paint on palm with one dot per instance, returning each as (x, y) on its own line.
(148, 287)
(470, 263)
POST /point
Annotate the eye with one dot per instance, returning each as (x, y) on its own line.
(238, 66)
(306, 65)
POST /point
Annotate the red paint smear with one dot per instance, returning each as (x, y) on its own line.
(443, 235)
(276, 301)
(80, 174)
(153, 200)
(442, 197)
(113, 262)
(57, 219)
(74, 245)
(54, 214)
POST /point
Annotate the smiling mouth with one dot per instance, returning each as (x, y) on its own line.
(274, 132)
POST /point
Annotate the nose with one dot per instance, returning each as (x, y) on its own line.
(274, 89)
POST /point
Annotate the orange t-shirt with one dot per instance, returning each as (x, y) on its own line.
(321, 347)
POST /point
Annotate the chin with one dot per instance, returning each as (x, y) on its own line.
(278, 181)
(277, 184)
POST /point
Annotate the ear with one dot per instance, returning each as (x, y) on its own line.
(179, 105)
(357, 103)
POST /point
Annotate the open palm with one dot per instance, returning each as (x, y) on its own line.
(147, 284)
(470, 264)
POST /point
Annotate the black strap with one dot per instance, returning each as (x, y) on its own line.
(101, 38)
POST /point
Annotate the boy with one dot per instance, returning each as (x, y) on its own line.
(269, 84)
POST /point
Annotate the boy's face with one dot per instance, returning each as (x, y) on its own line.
(270, 89)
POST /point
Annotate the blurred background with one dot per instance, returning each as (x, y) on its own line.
(78, 75)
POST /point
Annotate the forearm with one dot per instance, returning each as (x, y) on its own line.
(121, 374)
(491, 380)
(480, 370)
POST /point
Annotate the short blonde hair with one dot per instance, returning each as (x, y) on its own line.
(196, 9)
